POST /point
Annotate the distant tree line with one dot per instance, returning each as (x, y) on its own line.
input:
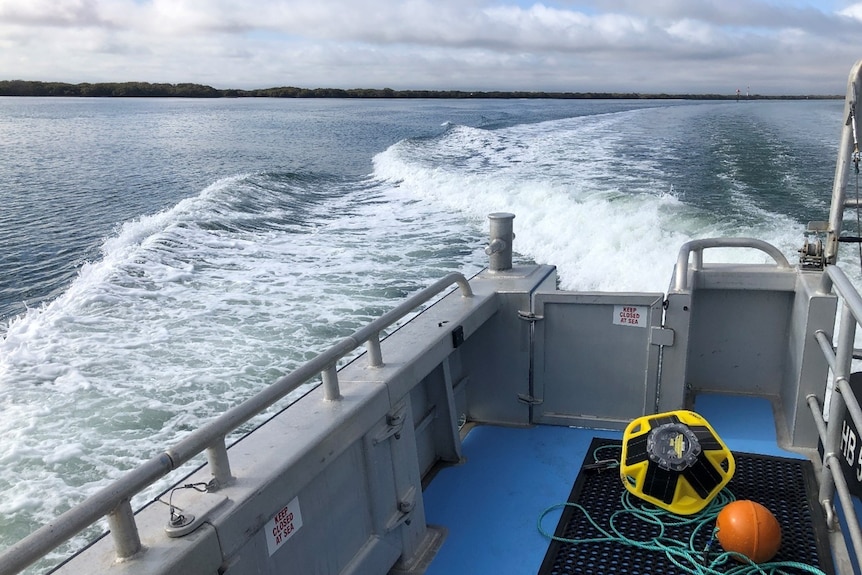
(107, 89)
(148, 90)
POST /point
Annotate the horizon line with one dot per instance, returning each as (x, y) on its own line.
(19, 87)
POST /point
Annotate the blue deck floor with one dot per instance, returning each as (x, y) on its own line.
(490, 504)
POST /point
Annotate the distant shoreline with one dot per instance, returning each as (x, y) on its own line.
(148, 90)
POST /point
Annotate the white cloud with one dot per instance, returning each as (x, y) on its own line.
(853, 11)
(620, 45)
(68, 13)
(692, 31)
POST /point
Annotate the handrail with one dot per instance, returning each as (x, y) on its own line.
(113, 500)
(847, 147)
(843, 402)
(845, 288)
(697, 246)
(840, 358)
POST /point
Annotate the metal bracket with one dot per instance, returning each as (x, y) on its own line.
(661, 336)
(529, 399)
(529, 316)
(406, 504)
(394, 424)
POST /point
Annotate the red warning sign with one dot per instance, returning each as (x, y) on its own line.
(283, 525)
(631, 315)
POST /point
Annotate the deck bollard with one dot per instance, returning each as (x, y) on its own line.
(502, 236)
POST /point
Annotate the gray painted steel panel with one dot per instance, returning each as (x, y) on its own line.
(591, 368)
(497, 359)
(807, 367)
(738, 340)
(674, 359)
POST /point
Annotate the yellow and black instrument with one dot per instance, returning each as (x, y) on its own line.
(675, 460)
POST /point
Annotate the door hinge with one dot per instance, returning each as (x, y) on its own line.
(661, 336)
(529, 316)
(529, 399)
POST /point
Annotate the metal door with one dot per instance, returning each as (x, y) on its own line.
(593, 361)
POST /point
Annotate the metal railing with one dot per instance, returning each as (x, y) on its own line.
(114, 500)
(840, 358)
(848, 146)
(842, 402)
(697, 246)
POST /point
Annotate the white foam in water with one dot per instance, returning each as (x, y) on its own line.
(178, 321)
(607, 226)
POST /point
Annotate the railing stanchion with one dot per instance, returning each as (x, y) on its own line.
(817, 414)
(124, 531)
(330, 383)
(375, 355)
(219, 462)
(837, 407)
(697, 264)
(832, 464)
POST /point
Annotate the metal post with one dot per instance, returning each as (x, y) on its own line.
(121, 522)
(825, 342)
(837, 474)
(837, 407)
(375, 356)
(330, 383)
(500, 248)
(846, 149)
(219, 464)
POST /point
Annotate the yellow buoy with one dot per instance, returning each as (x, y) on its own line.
(675, 460)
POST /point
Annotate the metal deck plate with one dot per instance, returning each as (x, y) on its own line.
(778, 483)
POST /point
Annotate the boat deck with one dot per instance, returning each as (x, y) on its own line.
(490, 504)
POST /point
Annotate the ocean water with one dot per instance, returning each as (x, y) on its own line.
(161, 260)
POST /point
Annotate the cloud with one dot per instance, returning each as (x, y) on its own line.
(853, 11)
(593, 45)
(38, 13)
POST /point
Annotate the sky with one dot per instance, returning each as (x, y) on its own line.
(767, 47)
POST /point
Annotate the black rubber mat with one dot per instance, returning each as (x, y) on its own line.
(785, 486)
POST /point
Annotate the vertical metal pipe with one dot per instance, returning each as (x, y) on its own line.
(219, 464)
(846, 147)
(502, 237)
(824, 287)
(330, 383)
(697, 264)
(837, 407)
(375, 355)
(124, 531)
(846, 503)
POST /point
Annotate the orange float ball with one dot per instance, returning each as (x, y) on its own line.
(749, 528)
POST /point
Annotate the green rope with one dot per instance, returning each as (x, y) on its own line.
(684, 555)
